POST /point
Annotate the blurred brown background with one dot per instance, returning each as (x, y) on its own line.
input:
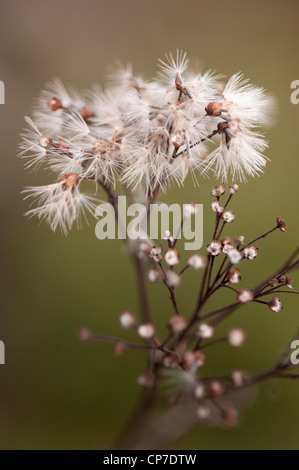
(54, 391)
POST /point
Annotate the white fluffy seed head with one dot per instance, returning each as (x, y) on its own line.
(127, 320)
(236, 337)
(205, 331)
(146, 331)
(197, 261)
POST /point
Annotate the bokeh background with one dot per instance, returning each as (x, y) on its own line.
(56, 393)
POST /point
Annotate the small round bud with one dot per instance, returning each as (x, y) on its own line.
(214, 248)
(177, 139)
(172, 257)
(84, 335)
(86, 112)
(234, 189)
(127, 320)
(199, 391)
(170, 361)
(45, 141)
(119, 348)
(234, 276)
(174, 279)
(194, 359)
(146, 331)
(251, 252)
(205, 331)
(238, 378)
(146, 380)
(214, 109)
(230, 417)
(240, 240)
(204, 412)
(54, 103)
(245, 296)
(216, 388)
(272, 282)
(228, 216)
(236, 337)
(155, 275)
(177, 323)
(281, 224)
(218, 190)
(216, 207)
(275, 304)
(234, 256)
(197, 261)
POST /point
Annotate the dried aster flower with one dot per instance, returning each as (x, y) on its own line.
(140, 136)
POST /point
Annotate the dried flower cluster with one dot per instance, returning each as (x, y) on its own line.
(143, 134)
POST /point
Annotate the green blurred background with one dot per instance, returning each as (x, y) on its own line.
(56, 393)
